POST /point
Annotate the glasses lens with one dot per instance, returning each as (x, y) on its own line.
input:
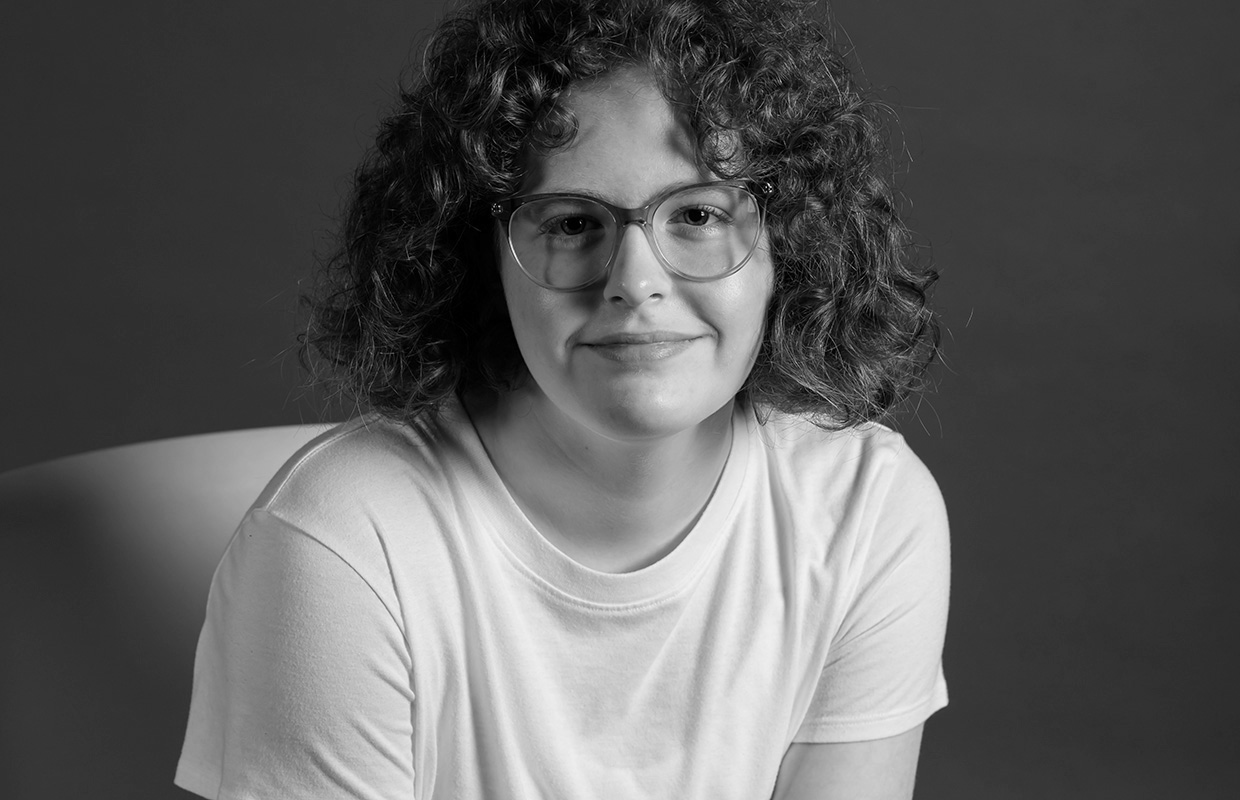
(562, 242)
(707, 231)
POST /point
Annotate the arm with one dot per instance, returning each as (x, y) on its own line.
(302, 681)
(882, 769)
(862, 736)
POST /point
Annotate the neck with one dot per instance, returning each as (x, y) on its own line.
(612, 505)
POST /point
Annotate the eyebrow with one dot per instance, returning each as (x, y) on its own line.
(582, 192)
(574, 190)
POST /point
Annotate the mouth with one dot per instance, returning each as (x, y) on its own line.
(640, 347)
(651, 337)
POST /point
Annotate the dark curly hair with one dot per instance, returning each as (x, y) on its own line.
(410, 309)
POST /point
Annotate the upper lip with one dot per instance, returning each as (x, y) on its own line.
(645, 337)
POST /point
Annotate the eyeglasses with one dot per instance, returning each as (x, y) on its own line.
(567, 242)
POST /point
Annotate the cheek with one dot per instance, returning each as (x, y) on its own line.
(521, 308)
(748, 300)
(538, 321)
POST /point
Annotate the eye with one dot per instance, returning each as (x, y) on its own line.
(696, 216)
(573, 225)
(569, 225)
(571, 231)
(701, 216)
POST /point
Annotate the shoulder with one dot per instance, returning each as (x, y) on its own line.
(869, 464)
(368, 470)
(857, 499)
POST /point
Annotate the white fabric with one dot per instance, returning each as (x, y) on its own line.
(387, 624)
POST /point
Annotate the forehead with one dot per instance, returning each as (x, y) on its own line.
(630, 144)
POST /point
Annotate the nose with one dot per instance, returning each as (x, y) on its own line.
(636, 274)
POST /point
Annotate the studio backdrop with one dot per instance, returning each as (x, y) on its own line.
(173, 173)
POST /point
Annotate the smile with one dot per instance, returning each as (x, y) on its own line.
(640, 347)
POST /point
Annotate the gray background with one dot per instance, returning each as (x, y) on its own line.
(170, 169)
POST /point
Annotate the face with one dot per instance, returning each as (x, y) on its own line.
(645, 353)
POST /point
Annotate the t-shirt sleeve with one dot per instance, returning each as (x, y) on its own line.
(883, 674)
(302, 684)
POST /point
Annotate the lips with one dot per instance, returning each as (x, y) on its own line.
(647, 346)
(651, 337)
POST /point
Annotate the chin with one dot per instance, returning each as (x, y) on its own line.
(641, 418)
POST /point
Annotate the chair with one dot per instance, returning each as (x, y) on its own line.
(103, 585)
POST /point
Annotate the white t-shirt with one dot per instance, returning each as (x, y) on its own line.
(386, 623)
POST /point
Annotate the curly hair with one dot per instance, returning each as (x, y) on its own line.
(410, 310)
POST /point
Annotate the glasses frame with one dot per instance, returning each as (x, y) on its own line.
(503, 211)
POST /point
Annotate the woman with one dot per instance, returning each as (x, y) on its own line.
(625, 290)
